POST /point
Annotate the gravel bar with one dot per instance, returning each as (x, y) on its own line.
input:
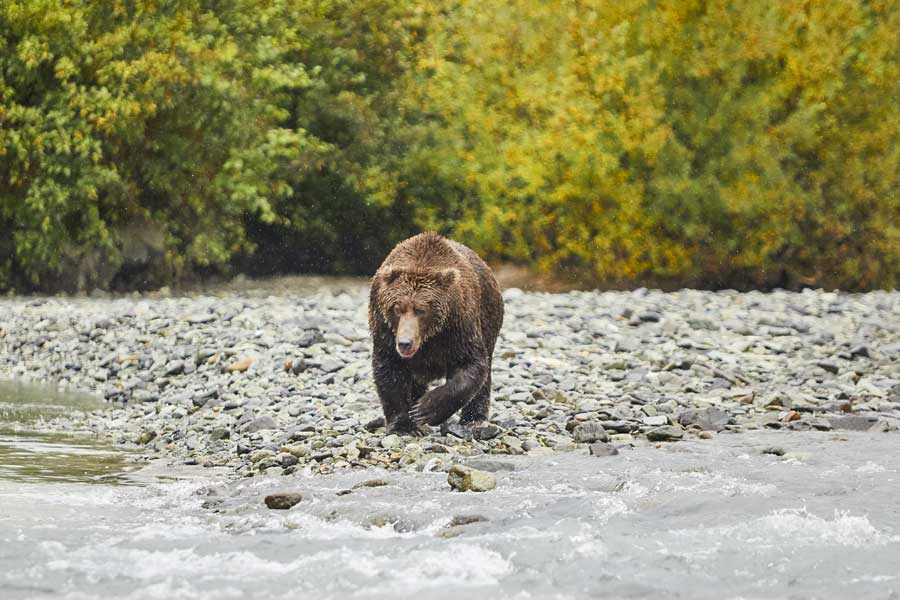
(278, 380)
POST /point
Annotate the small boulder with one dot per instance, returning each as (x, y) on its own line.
(667, 433)
(331, 364)
(649, 316)
(602, 449)
(219, 433)
(655, 420)
(466, 479)
(309, 337)
(853, 422)
(829, 366)
(880, 427)
(487, 431)
(261, 454)
(391, 442)
(590, 432)
(706, 419)
(283, 500)
(260, 423)
(297, 450)
(298, 365)
(176, 367)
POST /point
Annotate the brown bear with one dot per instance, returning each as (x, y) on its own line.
(435, 311)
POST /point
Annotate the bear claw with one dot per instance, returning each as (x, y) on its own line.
(406, 426)
(478, 430)
(424, 417)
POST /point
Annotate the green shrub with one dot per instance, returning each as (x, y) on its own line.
(175, 120)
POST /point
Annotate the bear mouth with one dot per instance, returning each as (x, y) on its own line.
(409, 353)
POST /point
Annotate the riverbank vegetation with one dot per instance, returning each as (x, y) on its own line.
(698, 143)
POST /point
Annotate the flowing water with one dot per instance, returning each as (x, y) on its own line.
(39, 443)
(695, 519)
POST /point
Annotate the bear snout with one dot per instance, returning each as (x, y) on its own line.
(408, 341)
(405, 347)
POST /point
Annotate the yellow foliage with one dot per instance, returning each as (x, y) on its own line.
(706, 143)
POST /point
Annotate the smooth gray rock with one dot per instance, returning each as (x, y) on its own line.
(391, 442)
(852, 422)
(176, 367)
(667, 433)
(590, 432)
(602, 449)
(260, 423)
(707, 419)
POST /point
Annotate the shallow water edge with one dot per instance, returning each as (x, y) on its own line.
(698, 519)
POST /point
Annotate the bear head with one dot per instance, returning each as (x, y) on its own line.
(415, 304)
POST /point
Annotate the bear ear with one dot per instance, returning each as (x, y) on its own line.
(447, 277)
(390, 274)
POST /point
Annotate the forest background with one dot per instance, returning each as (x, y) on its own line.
(738, 144)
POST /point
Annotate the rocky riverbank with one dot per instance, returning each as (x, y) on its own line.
(277, 379)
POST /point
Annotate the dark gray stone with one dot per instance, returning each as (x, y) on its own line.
(176, 367)
(667, 433)
(589, 432)
(200, 318)
(283, 500)
(649, 316)
(828, 366)
(310, 337)
(298, 365)
(707, 419)
(219, 434)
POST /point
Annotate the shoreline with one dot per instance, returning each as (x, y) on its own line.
(276, 379)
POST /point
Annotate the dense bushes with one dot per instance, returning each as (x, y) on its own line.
(122, 122)
(747, 144)
(741, 143)
(145, 141)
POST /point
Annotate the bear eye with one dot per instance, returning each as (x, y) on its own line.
(420, 312)
(396, 309)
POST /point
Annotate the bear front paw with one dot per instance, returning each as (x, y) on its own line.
(430, 410)
(405, 426)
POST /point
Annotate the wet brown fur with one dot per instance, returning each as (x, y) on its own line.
(452, 298)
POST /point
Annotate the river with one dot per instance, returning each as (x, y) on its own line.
(694, 519)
